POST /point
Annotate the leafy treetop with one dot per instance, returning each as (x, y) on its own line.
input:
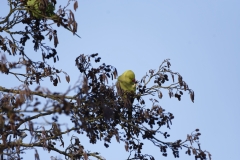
(95, 109)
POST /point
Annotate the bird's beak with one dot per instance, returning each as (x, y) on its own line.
(134, 80)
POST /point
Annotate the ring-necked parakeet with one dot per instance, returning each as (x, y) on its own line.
(126, 83)
(126, 88)
(35, 8)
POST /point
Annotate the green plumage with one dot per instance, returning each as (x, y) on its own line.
(126, 88)
(126, 82)
(35, 8)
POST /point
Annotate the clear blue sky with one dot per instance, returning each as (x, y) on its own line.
(202, 39)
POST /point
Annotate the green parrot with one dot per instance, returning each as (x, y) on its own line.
(34, 7)
(126, 88)
(35, 10)
(126, 83)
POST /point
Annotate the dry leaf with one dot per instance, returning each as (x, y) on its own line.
(192, 96)
(55, 41)
(126, 146)
(85, 156)
(160, 95)
(75, 5)
(50, 37)
(68, 79)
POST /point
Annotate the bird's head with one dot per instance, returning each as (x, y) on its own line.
(130, 76)
(127, 81)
